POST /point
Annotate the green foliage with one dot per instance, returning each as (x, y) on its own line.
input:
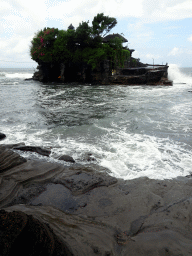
(121, 54)
(42, 44)
(83, 34)
(133, 62)
(62, 46)
(103, 24)
(82, 45)
(117, 52)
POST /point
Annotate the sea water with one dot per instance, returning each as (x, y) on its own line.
(133, 131)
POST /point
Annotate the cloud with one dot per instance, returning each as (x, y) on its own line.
(190, 38)
(175, 51)
(172, 27)
(16, 46)
(37, 12)
(152, 56)
(19, 16)
(146, 10)
(156, 10)
(74, 11)
(20, 19)
(5, 8)
(33, 15)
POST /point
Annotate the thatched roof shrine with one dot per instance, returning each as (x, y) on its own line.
(112, 36)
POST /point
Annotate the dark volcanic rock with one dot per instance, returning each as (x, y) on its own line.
(28, 79)
(39, 75)
(28, 193)
(93, 213)
(11, 146)
(23, 234)
(9, 159)
(67, 158)
(2, 136)
(11, 225)
(84, 180)
(88, 157)
(64, 200)
(38, 150)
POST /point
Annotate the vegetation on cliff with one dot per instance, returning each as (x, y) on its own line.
(82, 45)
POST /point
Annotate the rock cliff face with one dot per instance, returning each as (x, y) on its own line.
(73, 73)
(81, 210)
(102, 74)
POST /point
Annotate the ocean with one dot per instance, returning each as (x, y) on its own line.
(133, 131)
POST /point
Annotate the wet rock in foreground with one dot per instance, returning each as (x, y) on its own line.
(9, 159)
(12, 146)
(84, 179)
(38, 150)
(93, 213)
(67, 158)
(25, 235)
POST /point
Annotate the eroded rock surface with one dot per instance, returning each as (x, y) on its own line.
(26, 235)
(9, 159)
(96, 214)
(83, 179)
(38, 150)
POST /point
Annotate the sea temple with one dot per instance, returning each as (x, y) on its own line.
(87, 55)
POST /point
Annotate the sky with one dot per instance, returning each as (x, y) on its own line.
(159, 31)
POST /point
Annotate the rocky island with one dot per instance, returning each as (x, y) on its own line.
(58, 209)
(88, 54)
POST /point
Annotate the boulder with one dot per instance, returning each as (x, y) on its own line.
(2, 136)
(88, 157)
(67, 158)
(38, 150)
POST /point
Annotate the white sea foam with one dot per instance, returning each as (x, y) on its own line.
(130, 156)
(18, 75)
(2, 74)
(126, 155)
(178, 76)
(136, 155)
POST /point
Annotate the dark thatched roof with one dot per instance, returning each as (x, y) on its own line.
(112, 36)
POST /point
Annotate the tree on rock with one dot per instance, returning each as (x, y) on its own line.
(42, 45)
(77, 48)
(103, 24)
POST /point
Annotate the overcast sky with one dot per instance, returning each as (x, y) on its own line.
(159, 30)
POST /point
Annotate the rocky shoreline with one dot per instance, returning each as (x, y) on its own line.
(81, 210)
(157, 75)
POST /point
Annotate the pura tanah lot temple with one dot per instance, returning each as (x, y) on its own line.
(133, 71)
